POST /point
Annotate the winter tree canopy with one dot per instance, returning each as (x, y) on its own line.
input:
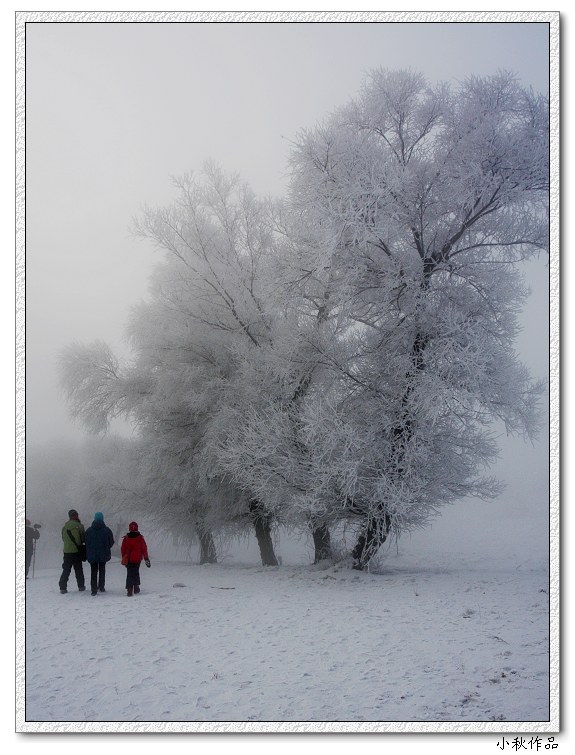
(210, 303)
(340, 356)
(428, 200)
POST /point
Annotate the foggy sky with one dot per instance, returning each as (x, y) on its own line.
(114, 109)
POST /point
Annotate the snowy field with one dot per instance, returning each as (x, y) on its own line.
(453, 628)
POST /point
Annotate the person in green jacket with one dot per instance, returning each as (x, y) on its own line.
(73, 536)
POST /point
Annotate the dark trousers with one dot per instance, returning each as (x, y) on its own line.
(132, 575)
(72, 560)
(28, 561)
(97, 576)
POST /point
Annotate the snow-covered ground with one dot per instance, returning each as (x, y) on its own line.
(453, 628)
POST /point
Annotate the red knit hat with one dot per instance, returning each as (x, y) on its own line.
(133, 527)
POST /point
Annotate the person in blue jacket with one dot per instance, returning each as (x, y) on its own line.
(99, 542)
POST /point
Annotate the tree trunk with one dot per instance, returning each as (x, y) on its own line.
(322, 543)
(370, 541)
(262, 527)
(377, 530)
(207, 549)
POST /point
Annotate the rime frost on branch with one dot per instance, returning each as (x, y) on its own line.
(341, 355)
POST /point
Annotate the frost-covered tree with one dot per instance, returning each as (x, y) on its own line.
(210, 301)
(426, 199)
(266, 445)
(89, 476)
(341, 356)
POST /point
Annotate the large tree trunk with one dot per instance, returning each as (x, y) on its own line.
(208, 553)
(377, 528)
(322, 543)
(370, 541)
(262, 527)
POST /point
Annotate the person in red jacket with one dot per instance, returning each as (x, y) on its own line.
(134, 549)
